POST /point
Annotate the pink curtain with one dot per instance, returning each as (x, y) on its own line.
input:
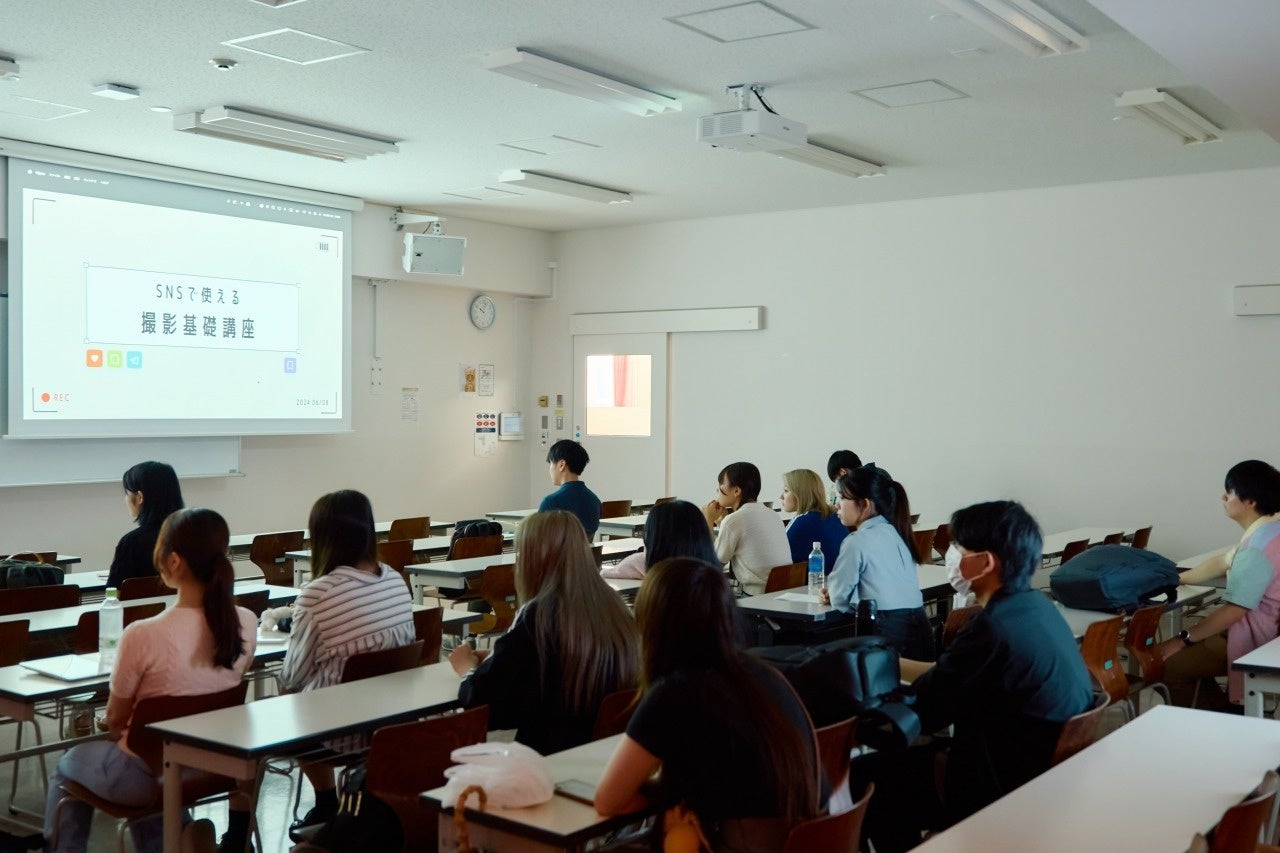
(621, 391)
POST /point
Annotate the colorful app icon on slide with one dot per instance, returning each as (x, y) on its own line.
(133, 360)
(93, 358)
(115, 358)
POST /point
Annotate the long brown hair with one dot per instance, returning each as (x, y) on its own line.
(581, 623)
(806, 487)
(341, 526)
(200, 537)
(688, 620)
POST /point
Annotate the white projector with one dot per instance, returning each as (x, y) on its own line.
(752, 130)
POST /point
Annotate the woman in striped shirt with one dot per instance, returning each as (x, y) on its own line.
(354, 604)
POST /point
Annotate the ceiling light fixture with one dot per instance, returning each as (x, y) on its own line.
(550, 74)
(822, 157)
(1164, 111)
(563, 186)
(160, 109)
(116, 91)
(1027, 26)
(284, 134)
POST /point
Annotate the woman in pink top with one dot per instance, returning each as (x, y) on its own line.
(202, 644)
(672, 529)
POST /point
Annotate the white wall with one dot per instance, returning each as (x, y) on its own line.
(1074, 347)
(406, 468)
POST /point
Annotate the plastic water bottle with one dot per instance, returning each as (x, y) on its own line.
(110, 625)
(817, 574)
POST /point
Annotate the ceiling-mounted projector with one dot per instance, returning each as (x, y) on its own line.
(752, 130)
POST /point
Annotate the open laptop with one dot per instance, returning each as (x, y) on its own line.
(67, 667)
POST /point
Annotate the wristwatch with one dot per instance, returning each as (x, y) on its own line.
(1185, 636)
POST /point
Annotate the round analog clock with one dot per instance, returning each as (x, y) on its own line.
(483, 312)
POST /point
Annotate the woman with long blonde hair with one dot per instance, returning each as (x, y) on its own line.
(572, 642)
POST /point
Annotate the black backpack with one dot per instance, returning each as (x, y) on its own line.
(1114, 578)
(16, 574)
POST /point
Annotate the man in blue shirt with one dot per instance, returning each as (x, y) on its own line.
(567, 459)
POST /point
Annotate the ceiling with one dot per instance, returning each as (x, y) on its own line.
(1024, 123)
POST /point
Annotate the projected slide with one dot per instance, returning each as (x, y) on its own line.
(135, 311)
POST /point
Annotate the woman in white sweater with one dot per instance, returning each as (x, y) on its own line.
(751, 538)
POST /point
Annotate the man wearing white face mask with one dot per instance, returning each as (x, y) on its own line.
(1008, 681)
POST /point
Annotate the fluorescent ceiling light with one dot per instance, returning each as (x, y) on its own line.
(1164, 111)
(116, 91)
(562, 186)
(812, 154)
(1026, 25)
(284, 134)
(550, 74)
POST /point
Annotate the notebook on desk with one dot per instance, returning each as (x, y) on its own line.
(66, 667)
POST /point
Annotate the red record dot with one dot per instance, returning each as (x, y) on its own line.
(44, 398)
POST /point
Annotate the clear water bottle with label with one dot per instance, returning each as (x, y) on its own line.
(110, 626)
(817, 572)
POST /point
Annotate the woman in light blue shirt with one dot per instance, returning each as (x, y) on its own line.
(878, 561)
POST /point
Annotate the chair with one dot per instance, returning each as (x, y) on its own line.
(1139, 642)
(788, 576)
(267, 552)
(1098, 648)
(924, 544)
(397, 553)
(957, 619)
(254, 601)
(85, 639)
(149, 587)
(1113, 539)
(428, 627)
(410, 528)
(398, 782)
(615, 509)
(1072, 549)
(597, 554)
(835, 745)
(497, 588)
(28, 599)
(476, 546)
(148, 745)
(841, 833)
(664, 500)
(13, 641)
(614, 714)
(381, 662)
(942, 540)
(1141, 537)
(1080, 731)
(1240, 826)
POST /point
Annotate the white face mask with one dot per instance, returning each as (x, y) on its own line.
(958, 581)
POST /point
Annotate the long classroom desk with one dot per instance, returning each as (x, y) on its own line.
(93, 583)
(1261, 669)
(1196, 765)
(431, 546)
(232, 741)
(454, 574)
(239, 544)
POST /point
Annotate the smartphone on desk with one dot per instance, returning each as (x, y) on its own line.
(577, 790)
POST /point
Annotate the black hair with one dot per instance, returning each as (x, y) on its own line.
(1255, 480)
(887, 495)
(677, 529)
(200, 537)
(342, 534)
(1007, 530)
(842, 459)
(161, 494)
(745, 476)
(573, 454)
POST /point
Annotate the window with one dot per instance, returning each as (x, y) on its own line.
(619, 394)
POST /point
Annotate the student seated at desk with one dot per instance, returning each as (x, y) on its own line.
(201, 645)
(355, 604)
(1007, 682)
(672, 529)
(732, 740)
(151, 494)
(752, 539)
(815, 521)
(840, 463)
(572, 642)
(1248, 618)
(567, 459)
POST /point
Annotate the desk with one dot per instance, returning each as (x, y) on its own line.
(432, 546)
(933, 586)
(1055, 543)
(1090, 802)
(1261, 668)
(627, 525)
(233, 740)
(238, 545)
(558, 824)
(454, 574)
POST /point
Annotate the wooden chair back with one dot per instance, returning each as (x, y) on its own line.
(396, 553)
(399, 782)
(957, 619)
(1140, 641)
(1080, 731)
(787, 576)
(1240, 826)
(835, 745)
(428, 627)
(614, 714)
(148, 587)
(1113, 539)
(665, 500)
(1073, 548)
(267, 552)
(33, 556)
(1098, 648)
(497, 588)
(924, 544)
(85, 639)
(254, 601)
(418, 527)
(29, 599)
(942, 539)
(615, 509)
(381, 662)
(841, 833)
(13, 641)
(148, 744)
(1141, 537)
(476, 546)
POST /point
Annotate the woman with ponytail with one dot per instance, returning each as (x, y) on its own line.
(878, 560)
(202, 644)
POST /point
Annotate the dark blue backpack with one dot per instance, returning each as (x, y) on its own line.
(1114, 578)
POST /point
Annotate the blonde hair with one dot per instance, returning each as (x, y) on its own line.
(580, 622)
(806, 487)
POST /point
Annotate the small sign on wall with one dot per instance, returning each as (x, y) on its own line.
(486, 442)
(467, 378)
(484, 380)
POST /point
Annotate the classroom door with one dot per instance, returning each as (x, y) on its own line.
(620, 413)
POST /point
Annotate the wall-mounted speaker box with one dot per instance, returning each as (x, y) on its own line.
(433, 254)
(1254, 299)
